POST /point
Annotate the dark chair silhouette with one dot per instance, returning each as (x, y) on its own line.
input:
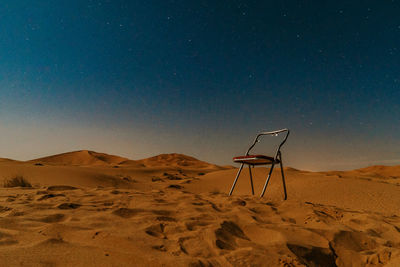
(254, 160)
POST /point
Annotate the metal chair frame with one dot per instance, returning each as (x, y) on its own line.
(277, 159)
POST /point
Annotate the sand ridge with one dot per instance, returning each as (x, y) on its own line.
(82, 157)
(178, 160)
(92, 158)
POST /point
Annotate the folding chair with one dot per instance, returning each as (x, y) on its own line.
(253, 160)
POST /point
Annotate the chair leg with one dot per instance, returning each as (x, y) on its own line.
(267, 181)
(237, 176)
(251, 180)
(283, 177)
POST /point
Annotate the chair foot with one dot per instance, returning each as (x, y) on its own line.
(251, 180)
(267, 181)
(237, 176)
(283, 177)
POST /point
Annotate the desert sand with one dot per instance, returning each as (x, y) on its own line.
(92, 209)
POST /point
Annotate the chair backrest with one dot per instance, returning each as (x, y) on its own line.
(274, 133)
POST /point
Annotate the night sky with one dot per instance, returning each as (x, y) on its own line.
(140, 78)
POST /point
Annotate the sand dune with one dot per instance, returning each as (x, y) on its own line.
(92, 158)
(173, 210)
(178, 161)
(7, 160)
(81, 158)
(92, 169)
(384, 174)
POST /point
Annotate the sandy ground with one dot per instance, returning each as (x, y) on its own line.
(92, 209)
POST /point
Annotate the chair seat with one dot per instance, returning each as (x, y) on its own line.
(255, 160)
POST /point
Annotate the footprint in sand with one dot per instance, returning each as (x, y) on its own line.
(4, 208)
(157, 179)
(160, 200)
(160, 248)
(7, 239)
(314, 256)
(200, 263)
(156, 230)
(193, 225)
(53, 218)
(165, 219)
(68, 206)
(227, 234)
(50, 196)
(354, 241)
(126, 212)
(52, 242)
(175, 186)
(162, 212)
(191, 245)
(16, 213)
(353, 247)
(239, 202)
(61, 188)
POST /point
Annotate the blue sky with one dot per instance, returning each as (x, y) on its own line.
(202, 78)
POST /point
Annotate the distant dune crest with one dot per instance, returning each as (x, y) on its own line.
(92, 158)
(381, 171)
(371, 172)
(6, 160)
(380, 168)
(82, 157)
(177, 160)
